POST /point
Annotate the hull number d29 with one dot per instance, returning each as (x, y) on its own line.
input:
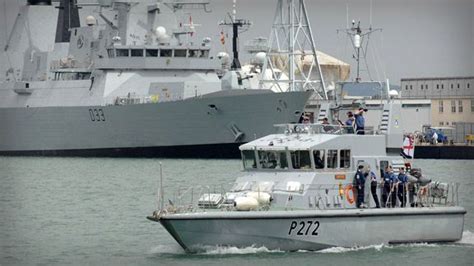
(304, 228)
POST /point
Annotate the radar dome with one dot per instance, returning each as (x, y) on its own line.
(224, 57)
(160, 32)
(393, 93)
(260, 58)
(90, 20)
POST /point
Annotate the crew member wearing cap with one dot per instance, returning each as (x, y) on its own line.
(360, 121)
(350, 123)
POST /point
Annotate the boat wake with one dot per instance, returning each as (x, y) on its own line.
(467, 239)
(166, 250)
(352, 249)
(213, 250)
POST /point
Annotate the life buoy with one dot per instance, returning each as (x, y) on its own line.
(350, 198)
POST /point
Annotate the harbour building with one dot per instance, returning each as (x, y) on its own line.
(452, 101)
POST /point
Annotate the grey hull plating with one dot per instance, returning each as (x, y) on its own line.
(315, 229)
(211, 120)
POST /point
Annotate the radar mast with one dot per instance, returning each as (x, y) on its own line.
(291, 43)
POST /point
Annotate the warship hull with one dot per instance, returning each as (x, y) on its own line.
(210, 126)
(315, 229)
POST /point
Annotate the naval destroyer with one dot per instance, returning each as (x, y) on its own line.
(133, 81)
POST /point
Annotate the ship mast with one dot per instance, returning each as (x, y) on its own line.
(359, 38)
(290, 42)
(235, 23)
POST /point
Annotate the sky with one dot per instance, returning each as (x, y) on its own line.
(419, 38)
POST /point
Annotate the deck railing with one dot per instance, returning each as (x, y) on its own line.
(314, 196)
(323, 129)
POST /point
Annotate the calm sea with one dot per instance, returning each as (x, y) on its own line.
(57, 211)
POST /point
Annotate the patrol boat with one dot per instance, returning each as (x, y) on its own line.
(133, 81)
(296, 193)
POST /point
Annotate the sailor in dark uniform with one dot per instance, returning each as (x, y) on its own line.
(402, 187)
(388, 194)
(359, 184)
(373, 188)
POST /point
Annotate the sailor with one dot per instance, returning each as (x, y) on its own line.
(388, 188)
(350, 123)
(360, 121)
(359, 180)
(402, 187)
(373, 188)
(327, 126)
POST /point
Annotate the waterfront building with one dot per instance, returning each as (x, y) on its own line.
(452, 98)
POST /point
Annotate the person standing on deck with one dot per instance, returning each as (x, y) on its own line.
(402, 187)
(350, 123)
(388, 185)
(373, 188)
(360, 121)
(360, 184)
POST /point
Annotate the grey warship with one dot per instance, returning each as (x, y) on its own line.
(133, 81)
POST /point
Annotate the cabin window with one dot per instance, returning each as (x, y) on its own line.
(204, 54)
(332, 159)
(319, 159)
(122, 52)
(345, 158)
(137, 52)
(166, 53)
(273, 159)
(300, 160)
(249, 160)
(151, 52)
(193, 53)
(179, 53)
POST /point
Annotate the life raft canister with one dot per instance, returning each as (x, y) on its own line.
(350, 198)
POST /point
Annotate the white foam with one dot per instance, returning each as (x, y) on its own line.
(344, 250)
(467, 238)
(166, 249)
(217, 250)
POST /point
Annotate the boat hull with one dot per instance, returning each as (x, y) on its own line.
(315, 229)
(197, 127)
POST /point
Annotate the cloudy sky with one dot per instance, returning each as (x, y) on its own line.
(420, 38)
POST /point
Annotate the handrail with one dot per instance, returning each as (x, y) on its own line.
(318, 128)
(186, 199)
